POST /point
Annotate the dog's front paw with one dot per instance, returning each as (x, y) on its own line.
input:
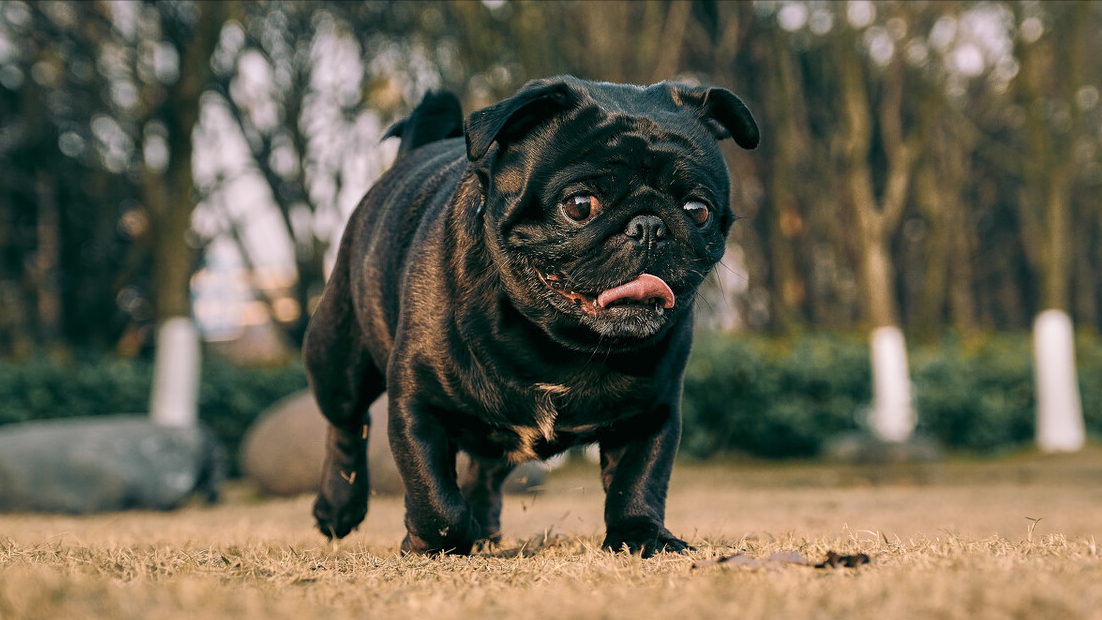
(634, 536)
(452, 540)
(341, 505)
(644, 537)
(671, 543)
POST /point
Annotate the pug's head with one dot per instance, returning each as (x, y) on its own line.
(606, 205)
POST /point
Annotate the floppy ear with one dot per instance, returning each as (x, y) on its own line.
(724, 114)
(514, 117)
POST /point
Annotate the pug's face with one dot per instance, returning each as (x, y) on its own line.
(610, 206)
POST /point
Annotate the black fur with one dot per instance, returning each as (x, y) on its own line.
(448, 294)
(438, 117)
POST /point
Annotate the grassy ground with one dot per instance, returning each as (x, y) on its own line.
(1013, 538)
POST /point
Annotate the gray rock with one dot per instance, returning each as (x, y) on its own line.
(86, 465)
(283, 451)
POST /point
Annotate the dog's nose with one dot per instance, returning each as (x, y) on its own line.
(646, 229)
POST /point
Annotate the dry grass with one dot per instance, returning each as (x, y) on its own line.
(947, 541)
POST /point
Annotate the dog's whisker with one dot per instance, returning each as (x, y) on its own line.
(701, 297)
(733, 272)
(719, 281)
(722, 290)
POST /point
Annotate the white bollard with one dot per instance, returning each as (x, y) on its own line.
(174, 400)
(1060, 426)
(892, 417)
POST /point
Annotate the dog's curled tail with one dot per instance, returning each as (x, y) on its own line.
(438, 117)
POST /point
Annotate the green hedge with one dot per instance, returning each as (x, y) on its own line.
(743, 394)
(230, 397)
(976, 395)
(772, 398)
(786, 398)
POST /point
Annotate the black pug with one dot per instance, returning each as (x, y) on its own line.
(522, 291)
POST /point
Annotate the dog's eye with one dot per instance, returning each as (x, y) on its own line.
(698, 212)
(580, 207)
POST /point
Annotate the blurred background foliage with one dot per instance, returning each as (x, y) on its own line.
(748, 395)
(100, 384)
(934, 165)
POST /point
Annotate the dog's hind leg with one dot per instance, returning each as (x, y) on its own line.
(482, 489)
(345, 382)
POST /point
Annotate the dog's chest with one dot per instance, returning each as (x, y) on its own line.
(558, 409)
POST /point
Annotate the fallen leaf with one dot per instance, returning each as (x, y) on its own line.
(833, 560)
(778, 560)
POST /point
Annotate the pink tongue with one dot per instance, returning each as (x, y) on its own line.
(642, 288)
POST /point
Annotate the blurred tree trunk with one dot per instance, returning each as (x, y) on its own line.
(940, 180)
(169, 194)
(733, 22)
(603, 55)
(652, 53)
(44, 268)
(784, 227)
(31, 206)
(876, 219)
(665, 50)
(1085, 273)
(1051, 73)
(1098, 259)
(930, 303)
